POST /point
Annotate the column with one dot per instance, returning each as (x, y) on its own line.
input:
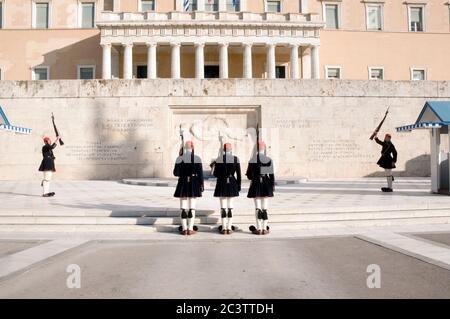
(175, 60)
(223, 5)
(116, 6)
(435, 142)
(306, 63)
(106, 66)
(199, 60)
(248, 70)
(243, 5)
(223, 58)
(294, 61)
(303, 6)
(315, 66)
(270, 61)
(201, 5)
(151, 60)
(179, 5)
(128, 61)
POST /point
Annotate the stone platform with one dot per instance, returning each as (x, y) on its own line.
(114, 207)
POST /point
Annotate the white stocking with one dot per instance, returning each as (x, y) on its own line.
(46, 181)
(258, 206)
(230, 205)
(192, 204)
(183, 205)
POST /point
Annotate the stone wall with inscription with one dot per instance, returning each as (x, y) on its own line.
(117, 129)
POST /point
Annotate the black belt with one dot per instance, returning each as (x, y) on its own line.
(189, 177)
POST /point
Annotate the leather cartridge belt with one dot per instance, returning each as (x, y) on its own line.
(189, 177)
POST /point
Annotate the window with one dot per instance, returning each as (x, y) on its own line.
(141, 71)
(1, 74)
(108, 5)
(332, 16)
(376, 73)
(374, 17)
(147, 5)
(212, 71)
(280, 72)
(273, 6)
(40, 73)
(416, 19)
(192, 5)
(1, 14)
(233, 5)
(211, 5)
(86, 72)
(418, 74)
(87, 15)
(41, 15)
(333, 72)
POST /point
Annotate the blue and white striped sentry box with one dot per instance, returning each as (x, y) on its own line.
(6, 126)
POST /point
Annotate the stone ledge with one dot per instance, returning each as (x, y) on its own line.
(172, 183)
(222, 87)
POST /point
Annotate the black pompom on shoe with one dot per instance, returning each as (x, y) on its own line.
(195, 228)
(252, 228)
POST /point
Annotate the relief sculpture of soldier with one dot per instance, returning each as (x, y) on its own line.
(48, 165)
(387, 160)
(227, 169)
(188, 168)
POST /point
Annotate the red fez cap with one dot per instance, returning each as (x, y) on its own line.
(262, 145)
(46, 139)
(190, 143)
(387, 135)
(227, 146)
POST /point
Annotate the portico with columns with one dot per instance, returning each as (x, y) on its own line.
(185, 44)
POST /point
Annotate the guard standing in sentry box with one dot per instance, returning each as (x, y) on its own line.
(188, 168)
(387, 160)
(227, 169)
(262, 185)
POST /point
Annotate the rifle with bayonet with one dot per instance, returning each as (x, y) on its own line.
(56, 130)
(379, 125)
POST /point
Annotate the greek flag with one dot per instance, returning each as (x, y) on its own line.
(186, 5)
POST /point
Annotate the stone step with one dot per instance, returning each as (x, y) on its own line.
(173, 212)
(215, 219)
(275, 227)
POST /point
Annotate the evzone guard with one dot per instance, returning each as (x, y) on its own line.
(48, 165)
(387, 160)
(188, 168)
(262, 185)
(227, 169)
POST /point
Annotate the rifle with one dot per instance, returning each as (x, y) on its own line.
(56, 130)
(181, 152)
(379, 125)
(257, 143)
(213, 163)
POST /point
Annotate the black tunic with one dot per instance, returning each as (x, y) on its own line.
(228, 172)
(388, 154)
(261, 176)
(188, 168)
(48, 161)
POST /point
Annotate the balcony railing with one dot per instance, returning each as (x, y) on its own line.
(201, 16)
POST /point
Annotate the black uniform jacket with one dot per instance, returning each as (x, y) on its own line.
(388, 154)
(228, 172)
(48, 161)
(188, 168)
(261, 176)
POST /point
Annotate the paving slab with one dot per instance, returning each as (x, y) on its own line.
(333, 267)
